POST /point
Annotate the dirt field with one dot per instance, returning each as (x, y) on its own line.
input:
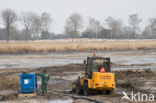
(77, 45)
(134, 71)
(140, 80)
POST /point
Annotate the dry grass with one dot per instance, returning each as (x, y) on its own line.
(10, 82)
(78, 45)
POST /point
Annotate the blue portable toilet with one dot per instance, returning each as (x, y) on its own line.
(29, 83)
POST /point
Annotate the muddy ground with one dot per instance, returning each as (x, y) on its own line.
(63, 78)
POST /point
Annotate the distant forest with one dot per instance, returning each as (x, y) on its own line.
(37, 27)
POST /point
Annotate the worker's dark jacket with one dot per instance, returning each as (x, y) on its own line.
(44, 77)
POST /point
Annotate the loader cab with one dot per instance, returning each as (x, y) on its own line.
(94, 64)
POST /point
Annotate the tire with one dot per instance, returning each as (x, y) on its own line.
(85, 89)
(78, 86)
(108, 92)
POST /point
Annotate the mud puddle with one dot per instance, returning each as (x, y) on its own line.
(71, 76)
(60, 101)
(7, 92)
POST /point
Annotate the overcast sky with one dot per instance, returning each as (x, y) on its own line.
(99, 9)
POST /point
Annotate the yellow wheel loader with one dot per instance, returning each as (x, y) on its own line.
(97, 76)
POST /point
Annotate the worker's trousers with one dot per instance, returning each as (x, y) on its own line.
(44, 89)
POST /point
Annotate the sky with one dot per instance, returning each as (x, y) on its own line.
(60, 10)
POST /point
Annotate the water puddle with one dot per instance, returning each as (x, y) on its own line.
(6, 92)
(35, 63)
(134, 59)
(132, 67)
(68, 76)
(60, 101)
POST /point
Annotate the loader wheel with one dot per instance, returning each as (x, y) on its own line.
(85, 89)
(108, 92)
(78, 86)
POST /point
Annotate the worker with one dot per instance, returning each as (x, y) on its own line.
(45, 79)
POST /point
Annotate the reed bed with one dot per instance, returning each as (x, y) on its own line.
(47, 46)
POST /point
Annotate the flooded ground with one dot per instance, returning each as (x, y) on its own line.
(137, 59)
(63, 74)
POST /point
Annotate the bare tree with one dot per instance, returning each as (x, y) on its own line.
(73, 25)
(134, 22)
(9, 18)
(126, 32)
(94, 26)
(152, 25)
(37, 26)
(46, 21)
(35, 23)
(147, 33)
(150, 30)
(27, 21)
(119, 24)
(110, 22)
(114, 25)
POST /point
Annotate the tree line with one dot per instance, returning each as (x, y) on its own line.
(37, 27)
